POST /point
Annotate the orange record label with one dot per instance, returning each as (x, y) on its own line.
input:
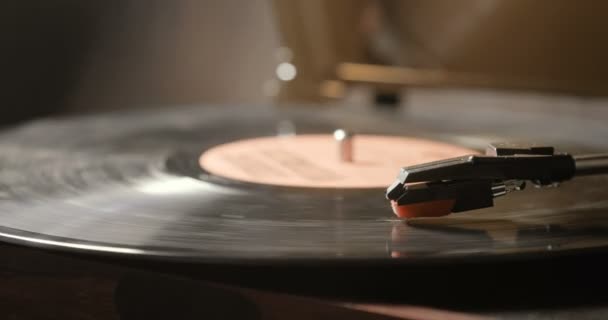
(314, 160)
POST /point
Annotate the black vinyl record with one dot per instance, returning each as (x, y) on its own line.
(129, 185)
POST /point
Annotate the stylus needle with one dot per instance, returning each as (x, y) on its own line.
(472, 182)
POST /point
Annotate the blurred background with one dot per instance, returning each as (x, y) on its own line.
(71, 56)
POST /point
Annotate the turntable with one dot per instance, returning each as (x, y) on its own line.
(294, 201)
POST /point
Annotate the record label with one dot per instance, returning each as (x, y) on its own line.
(315, 160)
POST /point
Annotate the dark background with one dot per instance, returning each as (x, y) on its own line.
(70, 56)
(79, 56)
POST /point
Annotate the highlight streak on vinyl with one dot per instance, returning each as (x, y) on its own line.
(313, 160)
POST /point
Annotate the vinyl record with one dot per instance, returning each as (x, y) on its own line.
(131, 185)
